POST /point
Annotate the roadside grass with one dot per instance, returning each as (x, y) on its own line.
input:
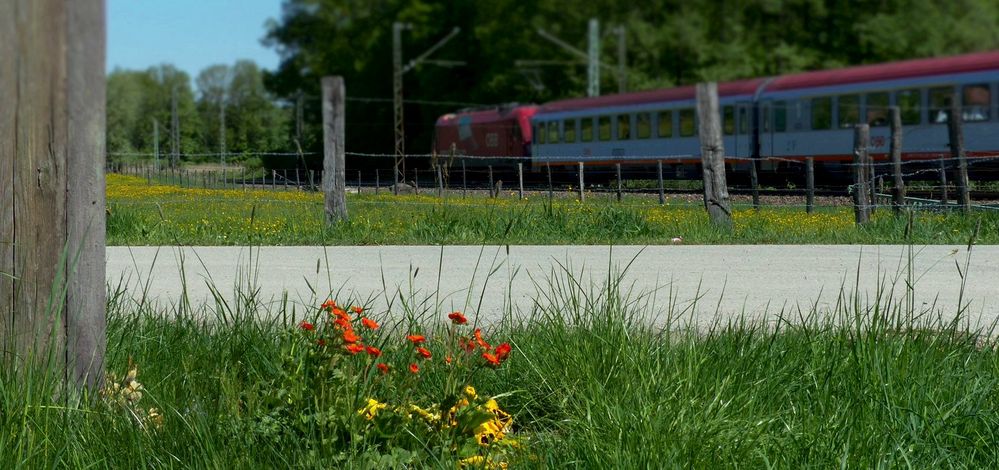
(598, 377)
(165, 215)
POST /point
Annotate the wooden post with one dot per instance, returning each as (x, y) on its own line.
(491, 187)
(52, 219)
(896, 158)
(312, 180)
(861, 136)
(944, 197)
(957, 153)
(378, 181)
(582, 183)
(334, 161)
(617, 167)
(754, 182)
(809, 184)
(464, 180)
(440, 182)
(520, 179)
(358, 182)
(551, 190)
(284, 176)
(416, 180)
(716, 199)
(659, 175)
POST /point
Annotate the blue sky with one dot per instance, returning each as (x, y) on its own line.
(190, 34)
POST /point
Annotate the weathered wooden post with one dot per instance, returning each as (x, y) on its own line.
(896, 158)
(659, 175)
(440, 182)
(617, 167)
(716, 199)
(334, 179)
(284, 176)
(492, 189)
(52, 232)
(520, 180)
(861, 137)
(378, 182)
(464, 180)
(416, 181)
(944, 197)
(551, 190)
(957, 153)
(582, 194)
(809, 185)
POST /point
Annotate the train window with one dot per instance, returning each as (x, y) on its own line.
(939, 108)
(665, 124)
(569, 131)
(765, 120)
(847, 111)
(604, 128)
(728, 120)
(877, 109)
(539, 133)
(553, 132)
(688, 122)
(909, 102)
(780, 116)
(586, 129)
(643, 125)
(821, 113)
(623, 127)
(743, 120)
(976, 100)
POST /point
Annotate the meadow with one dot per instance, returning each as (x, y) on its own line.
(584, 379)
(143, 214)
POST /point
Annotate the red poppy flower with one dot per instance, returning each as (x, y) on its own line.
(306, 326)
(466, 344)
(447, 359)
(357, 310)
(503, 351)
(373, 351)
(383, 367)
(329, 305)
(417, 339)
(343, 323)
(350, 337)
(491, 359)
(339, 312)
(414, 368)
(423, 352)
(354, 348)
(321, 342)
(369, 323)
(478, 339)
(457, 318)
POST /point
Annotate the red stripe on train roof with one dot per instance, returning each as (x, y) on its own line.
(739, 87)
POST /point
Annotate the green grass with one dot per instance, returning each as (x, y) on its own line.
(598, 378)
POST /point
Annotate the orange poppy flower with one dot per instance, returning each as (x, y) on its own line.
(306, 326)
(354, 348)
(329, 305)
(417, 339)
(491, 359)
(338, 312)
(373, 351)
(357, 310)
(383, 367)
(414, 368)
(503, 351)
(447, 359)
(369, 323)
(343, 323)
(423, 352)
(321, 343)
(481, 342)
(457, 318)
(466, 344)
(350, 337)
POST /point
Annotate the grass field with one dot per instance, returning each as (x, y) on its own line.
(588, 383)
(139, 214)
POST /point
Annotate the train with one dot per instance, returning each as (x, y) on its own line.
(775, 122)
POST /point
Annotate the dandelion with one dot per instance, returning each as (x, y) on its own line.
(457, 318)
(424, 352)
(373, 351)
(369, 323)
(417, 339)
(354, 348)
(306, 326)
(414, 368)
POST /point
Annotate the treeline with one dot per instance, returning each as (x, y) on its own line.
(666, 43)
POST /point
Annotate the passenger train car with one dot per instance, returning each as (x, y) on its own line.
(778, 119)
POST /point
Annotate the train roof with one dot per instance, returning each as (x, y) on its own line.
(489, 115)
(965, 63)
(733, 88)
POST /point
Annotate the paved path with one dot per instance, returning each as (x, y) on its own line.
(757, 279)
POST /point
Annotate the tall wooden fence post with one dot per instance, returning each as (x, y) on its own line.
(809, 185)
(944, 197)
(896, 158)
(662, 189)
(492, 189)
(440, 182)
(551, 190)
(52, 220)
(617, 168)
(582, 194)
(520, 180)
(464, 180)
(378, 182)
(334, 160)
(957, 153)
(716, 199)
(861, 137)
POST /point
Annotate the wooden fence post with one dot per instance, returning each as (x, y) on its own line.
(861, 136)
(617, 167)
(334, 160)
(492, 192)
(896, 158)
(659, 175)
(52, 203)
(378, 181)
(440, 182)
(809, 184)
(464, 180)
(520, 180)
(716, 199)
(551, 190)
(582, 195)
(416, 180)
(944, 197)
(957, 152)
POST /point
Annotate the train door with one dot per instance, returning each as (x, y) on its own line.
(743, 141)
(766, 129)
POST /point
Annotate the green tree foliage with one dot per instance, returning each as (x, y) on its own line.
(669, 42)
